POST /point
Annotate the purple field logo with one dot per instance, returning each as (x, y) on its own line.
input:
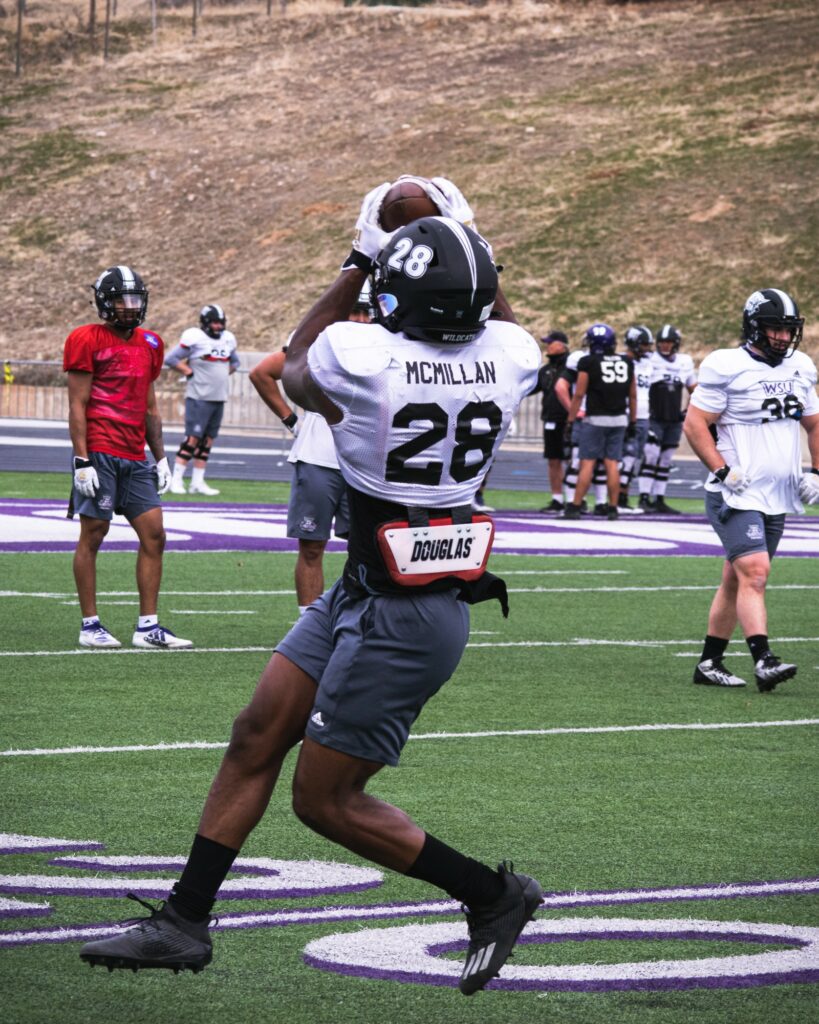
(417, 953)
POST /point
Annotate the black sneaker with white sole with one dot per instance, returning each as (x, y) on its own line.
(770, 671)
(712, 672)
(165, 939)
(495, 927)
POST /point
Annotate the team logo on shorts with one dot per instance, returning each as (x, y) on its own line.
(105, 502)
(754, 532)
(308, 524)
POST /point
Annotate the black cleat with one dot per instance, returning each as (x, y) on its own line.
(712, 672)
(601, 509)
(770, 671)
(611, 512)
(622, 501)
(645, 503)
(666, 510)
(165, 939)
(571, 511)
(494, 929)
(554, 506)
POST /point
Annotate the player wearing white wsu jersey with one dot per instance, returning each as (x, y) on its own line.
(417, 406)
(743, 423)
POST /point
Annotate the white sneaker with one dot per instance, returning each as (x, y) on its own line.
(177, 487)
(202, 488)
(159, 638)
(96, 635)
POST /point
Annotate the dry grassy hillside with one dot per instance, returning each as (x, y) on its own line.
(630, 162)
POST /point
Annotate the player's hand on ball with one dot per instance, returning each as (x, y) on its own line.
(370, 238)
(163, 476)
(809, 488)
(450, 201)
(86, 480)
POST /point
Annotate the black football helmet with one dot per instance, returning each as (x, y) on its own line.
(435, 281)
(209, 317)
(601, 339)
(668, 332)
(123, 284)
(639, 340)
(772, 309)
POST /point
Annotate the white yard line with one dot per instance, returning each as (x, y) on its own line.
(488, 734)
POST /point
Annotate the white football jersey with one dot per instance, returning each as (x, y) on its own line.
(755, 429)
(422, 422)
(314, 443)
(210, 359)
(679, 370)
(642, 375)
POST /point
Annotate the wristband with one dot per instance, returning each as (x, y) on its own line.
(81, 463)
(290, 421)
(357, 260)
(722, 473)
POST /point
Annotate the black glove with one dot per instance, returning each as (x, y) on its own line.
(631, 431)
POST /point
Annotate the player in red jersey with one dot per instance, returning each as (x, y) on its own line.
(112, 415)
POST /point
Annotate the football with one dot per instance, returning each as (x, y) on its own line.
(405, 202)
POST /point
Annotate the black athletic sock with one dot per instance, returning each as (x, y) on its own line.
(758, 645)
(713, 648)
(465, 879)
(194, 894)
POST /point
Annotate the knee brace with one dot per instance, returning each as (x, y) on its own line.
(202, 451)
(186, 452)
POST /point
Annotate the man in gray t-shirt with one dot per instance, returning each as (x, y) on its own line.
(206, 356)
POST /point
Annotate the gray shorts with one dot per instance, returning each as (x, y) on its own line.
(743, 531)
(127, 487)
(376, 660)
(601, 442)
(666, 435)
(318, 495)
(203, 419)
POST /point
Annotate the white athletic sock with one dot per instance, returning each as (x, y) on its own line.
(146, 621)
(179, 468)
(90, 620)
(198, 476)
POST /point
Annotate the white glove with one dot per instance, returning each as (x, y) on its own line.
(86, 480)
(163, 476)
(370, 237)
(737, 480)
(809, 488)
(449, 199)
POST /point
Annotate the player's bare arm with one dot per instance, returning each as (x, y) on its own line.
(265, 377)
(333, 306)
(562, 393)
(579, 394)
(632, 399)
(153, 426)
(696, 429)
(79, 392)
(811, 425)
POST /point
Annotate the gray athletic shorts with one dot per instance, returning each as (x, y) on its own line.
(126, 487)
(666, 435)
(317, 496)
(601, 442)
(741, 531)
(377, 660)
(203, 419)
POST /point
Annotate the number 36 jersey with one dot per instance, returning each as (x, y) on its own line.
(421, 422)
(759, 408)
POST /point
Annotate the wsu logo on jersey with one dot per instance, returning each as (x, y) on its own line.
(777, 387)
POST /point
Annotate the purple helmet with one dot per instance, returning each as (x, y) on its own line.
(601, 339)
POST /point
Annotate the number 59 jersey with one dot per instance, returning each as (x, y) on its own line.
(422, 422)
(759, 408)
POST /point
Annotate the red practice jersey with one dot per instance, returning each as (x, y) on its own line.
(123, 372)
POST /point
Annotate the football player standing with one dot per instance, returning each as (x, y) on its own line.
(671, 372)
(743, 423)
(206, 356)
(418, 404)
(639, 346)
(112, 415)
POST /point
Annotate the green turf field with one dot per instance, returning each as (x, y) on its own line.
(500, 766)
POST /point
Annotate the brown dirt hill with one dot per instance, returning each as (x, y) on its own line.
(631, 162)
